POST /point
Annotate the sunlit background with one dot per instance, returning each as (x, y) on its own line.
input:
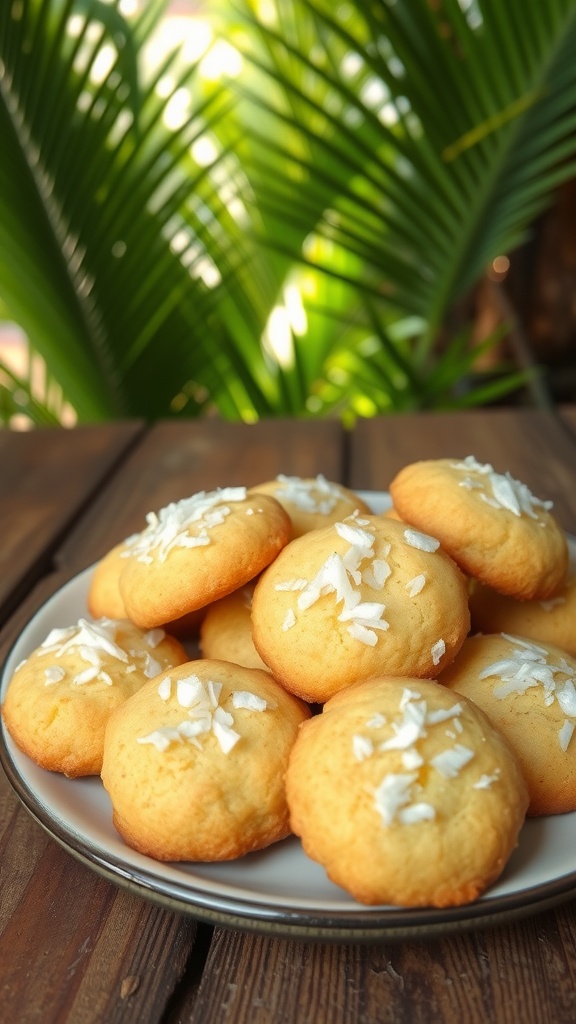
(183, 27)
(327, 224)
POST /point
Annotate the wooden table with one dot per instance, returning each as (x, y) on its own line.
(76, 947)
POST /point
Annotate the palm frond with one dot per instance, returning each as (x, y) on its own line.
(91, 203)
(433, 138)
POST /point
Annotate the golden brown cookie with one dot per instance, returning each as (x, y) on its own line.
(312, 502)
(199, 549)
(406, 794)
(528, 691)
(226, 630)
(494, 528)
(105, 600)
(552, 621)
(59, 700)
(365, 597)
(104, 597)
(194, 763)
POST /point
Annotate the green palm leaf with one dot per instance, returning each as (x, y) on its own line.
(94, 190)
(471, 129)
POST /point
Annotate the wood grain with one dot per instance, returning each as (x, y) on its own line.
(504, 975)
(534, 446)
(74, 948)
(47, 476)
(177, 459)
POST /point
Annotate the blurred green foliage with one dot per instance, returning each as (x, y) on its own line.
(301, 238)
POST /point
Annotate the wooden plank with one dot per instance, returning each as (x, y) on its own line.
(567, 414)
(77, 948)
(504, 975)
(47, 476)
(80, 953)
(177, 459)
(532, 445)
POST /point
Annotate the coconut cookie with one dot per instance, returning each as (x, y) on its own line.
(365, 597)
(194, 763)
(105, 600)
(312, 503)
(528, 691)
(226, 630)
(197, 550)
(551, 621)
(59, 700)
(406, 794)
(494, 528)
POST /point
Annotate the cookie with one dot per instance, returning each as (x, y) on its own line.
(364, 597)
(312, 503)
(59, 700)
(493, 527)
(194, 763)
(551, 621)
(406, 794)
(105, 600)
(226, 630)
(528, 691)
(197, 550)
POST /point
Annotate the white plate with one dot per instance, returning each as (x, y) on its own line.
(279, 891)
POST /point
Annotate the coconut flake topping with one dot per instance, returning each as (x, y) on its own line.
(528, 666)
(184, 524)
(341, 575)
(398, 797)
(421, 541)
(318, 496)
(500, 490)
(91, 641)
(205, 714)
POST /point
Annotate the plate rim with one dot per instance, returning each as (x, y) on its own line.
(359, 924)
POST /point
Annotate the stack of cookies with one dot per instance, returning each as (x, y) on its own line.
(339, 694)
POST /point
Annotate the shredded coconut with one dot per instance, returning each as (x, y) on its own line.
(565, 735)
(53, 674)
(528, 666)
(154, 636)
(500, 490)
(397, 798)
(485, 781)
(165, 688)
(298, 584)
(421, 541)
(184, 524)
(250, 701)
(289, 620)
(362, 747)
(449, 762)
(415, 585)
(317, 496)
(205, 713)
(438, 651)
(377, 721)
